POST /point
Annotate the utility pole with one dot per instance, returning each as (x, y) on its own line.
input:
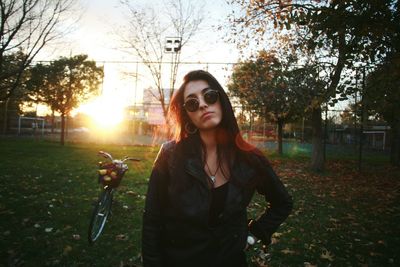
(362, 122)
(173, 46)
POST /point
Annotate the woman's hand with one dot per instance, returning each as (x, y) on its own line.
(251, 240)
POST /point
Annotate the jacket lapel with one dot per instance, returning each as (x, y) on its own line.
(192, 158)
(194, 167)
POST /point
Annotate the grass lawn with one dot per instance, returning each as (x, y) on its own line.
(341, 217)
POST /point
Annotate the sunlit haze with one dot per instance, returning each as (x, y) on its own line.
(106, 111)
(120, 87)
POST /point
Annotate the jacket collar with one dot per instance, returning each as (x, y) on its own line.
(194, 167)
(241, 173)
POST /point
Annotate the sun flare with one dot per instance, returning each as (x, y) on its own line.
(105, 111)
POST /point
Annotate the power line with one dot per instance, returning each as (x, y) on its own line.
(150, 62)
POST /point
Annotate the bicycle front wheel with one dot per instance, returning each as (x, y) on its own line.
(100, 214)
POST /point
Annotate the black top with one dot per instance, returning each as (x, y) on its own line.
(218, 196)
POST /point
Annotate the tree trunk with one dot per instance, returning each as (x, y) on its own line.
(5, 117)
(395, 144)
(167, 131)
(317, 157)
(280, 134)
(66, 125)
(52, 121)
(62, 128)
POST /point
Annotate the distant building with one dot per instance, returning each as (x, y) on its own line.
(376, 135)
(151, 96)
(152, 106)
(150, 111)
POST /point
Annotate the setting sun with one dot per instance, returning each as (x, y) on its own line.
(105, 111)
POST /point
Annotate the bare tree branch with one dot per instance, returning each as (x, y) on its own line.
(147, 32)
(27, 26)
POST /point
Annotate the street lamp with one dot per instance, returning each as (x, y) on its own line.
(173, 46)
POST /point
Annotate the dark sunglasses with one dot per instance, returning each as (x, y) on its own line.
(193, 104)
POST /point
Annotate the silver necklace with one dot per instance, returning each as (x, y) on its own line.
(212, 176)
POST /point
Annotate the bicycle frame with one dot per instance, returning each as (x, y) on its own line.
(110, 175)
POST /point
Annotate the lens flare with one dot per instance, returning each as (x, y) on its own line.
(105, 112)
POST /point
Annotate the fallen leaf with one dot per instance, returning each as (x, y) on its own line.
(259, 263)
(287, 251)
(327, 255)
(277, 234)
(274, 240)
(121, 237)
(263, 255)
(67, 250)
(131, 193)
(307, 264)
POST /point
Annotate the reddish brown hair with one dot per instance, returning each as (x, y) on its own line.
(228, 131)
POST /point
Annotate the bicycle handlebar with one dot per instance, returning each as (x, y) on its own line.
(108, 156)
(131, 159)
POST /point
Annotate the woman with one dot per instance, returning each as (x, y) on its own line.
(201, 183)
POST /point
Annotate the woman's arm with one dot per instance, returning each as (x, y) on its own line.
(279, 199)
(152, 216)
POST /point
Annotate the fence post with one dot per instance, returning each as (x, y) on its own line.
(361, 138)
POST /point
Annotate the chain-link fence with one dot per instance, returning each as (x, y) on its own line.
(134, 86)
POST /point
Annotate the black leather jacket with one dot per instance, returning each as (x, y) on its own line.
(175, 221)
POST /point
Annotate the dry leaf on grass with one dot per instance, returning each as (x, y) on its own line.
(327, 255)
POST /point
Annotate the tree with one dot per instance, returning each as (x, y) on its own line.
(351, 114)
(64, 84)
(11, 63)
(335, 34)
(262, 85)
(147, 33)
(26, 26)
(383, 95)
(42, 87)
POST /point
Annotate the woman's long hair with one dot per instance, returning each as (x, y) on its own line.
(228, 133)
(177, 114)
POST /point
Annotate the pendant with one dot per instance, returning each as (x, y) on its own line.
(213, 179)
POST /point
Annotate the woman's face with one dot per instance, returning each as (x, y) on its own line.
(202, 105)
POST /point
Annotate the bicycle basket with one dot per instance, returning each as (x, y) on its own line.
(109, 175)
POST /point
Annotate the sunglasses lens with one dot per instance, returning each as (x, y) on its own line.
(211, 97)
(192, 105)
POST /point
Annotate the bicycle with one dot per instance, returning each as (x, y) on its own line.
(110, 174)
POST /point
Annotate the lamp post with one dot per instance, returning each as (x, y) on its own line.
(173, 46)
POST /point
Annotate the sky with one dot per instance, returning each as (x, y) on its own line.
(94, 35)
(100, 17)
